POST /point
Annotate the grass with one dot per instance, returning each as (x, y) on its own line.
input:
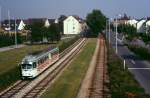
(10, 72)
(68, 84)
(122, 81)
(10, 59)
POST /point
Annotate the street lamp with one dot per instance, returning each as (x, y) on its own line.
(109, 29)
(15, 33)
(9, 21)
(117, 33)
(116, 36)
(146, 26)
(106, 30)
(0, 17)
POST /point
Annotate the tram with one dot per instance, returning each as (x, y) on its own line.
(34, 64)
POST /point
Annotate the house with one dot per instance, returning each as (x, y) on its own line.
(148, 23)
(56, 21)
(122, 20)
(73, 25)
(10, 24)
(140, 25)
(48, 22)
(132, 22)
(21, 25)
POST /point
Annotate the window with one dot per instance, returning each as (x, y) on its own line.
(73, 28)
(26, 66)
(34, 65)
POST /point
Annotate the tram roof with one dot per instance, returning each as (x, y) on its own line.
(36, 55)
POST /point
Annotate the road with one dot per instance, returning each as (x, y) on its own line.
(10, 47)
(139, 68)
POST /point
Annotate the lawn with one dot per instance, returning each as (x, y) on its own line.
(10, 59)
(10, 72)
(68, 84)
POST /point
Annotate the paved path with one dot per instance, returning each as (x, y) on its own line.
(87, 81)
(93, 84)
(11, 47)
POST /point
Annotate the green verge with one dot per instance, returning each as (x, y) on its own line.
(68, 84)
(9, 59)
(122, 81)
(10, 72)
(141, 52)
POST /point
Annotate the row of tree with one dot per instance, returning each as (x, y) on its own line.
(40, 33)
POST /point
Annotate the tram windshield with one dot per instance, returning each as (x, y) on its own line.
(26, 66)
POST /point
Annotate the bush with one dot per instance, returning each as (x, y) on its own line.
(64, 44)
(141, 52)
(9, 77)
(7, 40)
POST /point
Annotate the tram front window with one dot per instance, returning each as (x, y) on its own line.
(26, 66)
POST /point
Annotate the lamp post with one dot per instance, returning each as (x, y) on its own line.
(146, 26)
(15, 34)
(109, 30)
(0, 17)
(9, 21)
(106, 30)
(116, 36)
(117, 33)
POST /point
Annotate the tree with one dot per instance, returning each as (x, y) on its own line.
(41, 33)
(148, 30)
(96, 21)
(54, 32)
(128, 30)
(61, 19)
(38, 31)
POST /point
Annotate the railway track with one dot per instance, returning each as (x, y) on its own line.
(37, 90)
(97, 86)
(14, 89)
(21, 84)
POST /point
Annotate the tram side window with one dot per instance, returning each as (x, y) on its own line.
(54, 53)
(42, 60)
(34, 65)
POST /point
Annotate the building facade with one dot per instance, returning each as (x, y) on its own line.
(72, 25)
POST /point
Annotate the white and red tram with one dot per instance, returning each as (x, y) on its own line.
(34, 64)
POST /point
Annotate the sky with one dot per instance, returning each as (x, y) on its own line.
(54, 8)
